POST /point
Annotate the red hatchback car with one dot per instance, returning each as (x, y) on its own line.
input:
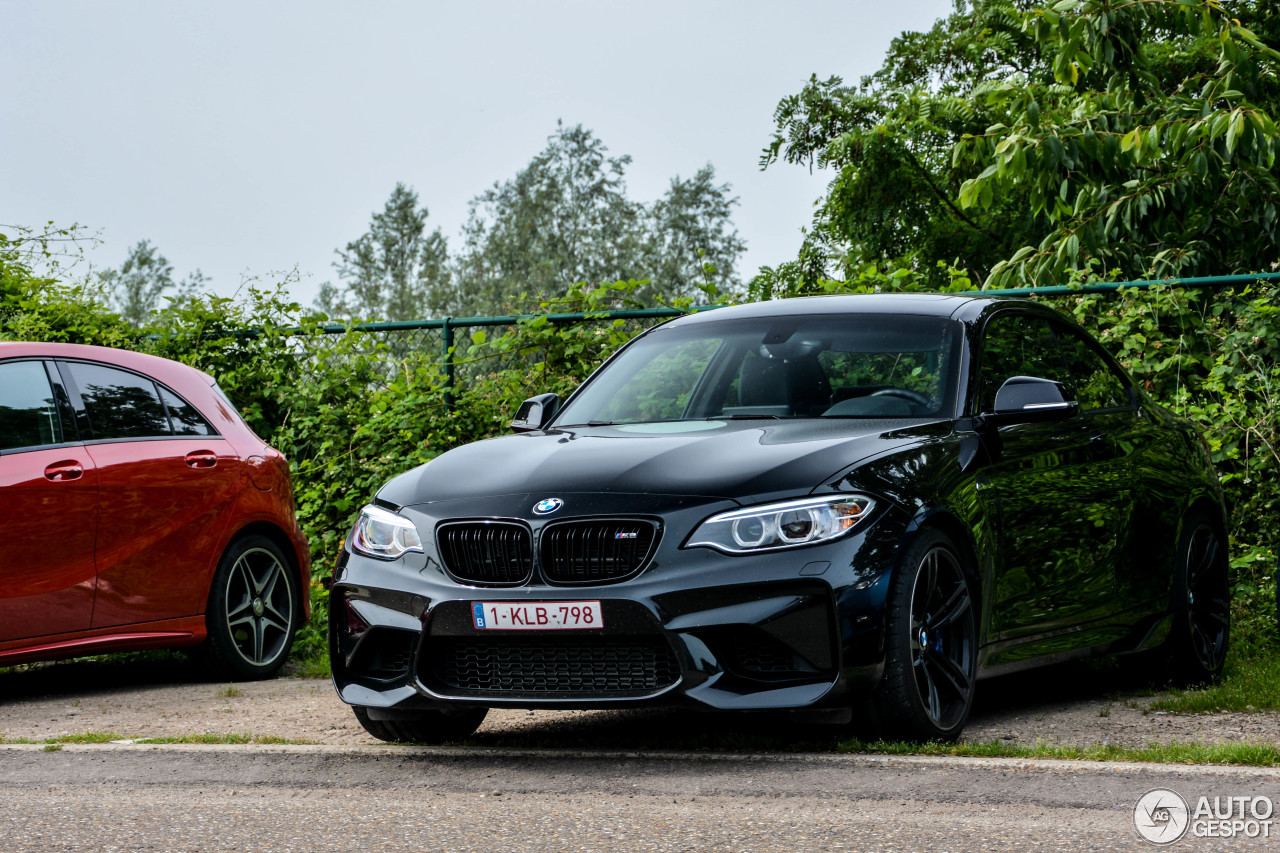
(139, 511)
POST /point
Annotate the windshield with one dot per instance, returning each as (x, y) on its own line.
(827, 366)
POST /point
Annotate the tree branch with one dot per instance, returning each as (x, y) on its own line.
(928, 179)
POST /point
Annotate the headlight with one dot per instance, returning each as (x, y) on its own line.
(782, 525)
(383, 534)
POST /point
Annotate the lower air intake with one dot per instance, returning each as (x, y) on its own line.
(564, 666)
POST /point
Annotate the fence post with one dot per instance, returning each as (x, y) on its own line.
(447, 335)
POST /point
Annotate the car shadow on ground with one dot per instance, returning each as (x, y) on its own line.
(659, 728)
(1025, 694)
(86, 677)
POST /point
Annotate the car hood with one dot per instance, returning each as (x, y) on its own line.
(745, 461)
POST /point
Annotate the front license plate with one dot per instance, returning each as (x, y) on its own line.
(536, 615)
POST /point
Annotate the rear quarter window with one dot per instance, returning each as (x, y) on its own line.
(184, 417)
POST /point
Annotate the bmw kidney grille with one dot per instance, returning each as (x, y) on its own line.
(501, 553)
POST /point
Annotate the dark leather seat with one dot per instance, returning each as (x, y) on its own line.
(798, 383)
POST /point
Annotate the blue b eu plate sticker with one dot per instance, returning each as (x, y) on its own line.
(477, 611)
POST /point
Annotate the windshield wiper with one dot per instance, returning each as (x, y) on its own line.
(740, 417)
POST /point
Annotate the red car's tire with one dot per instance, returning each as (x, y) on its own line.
(253, 610)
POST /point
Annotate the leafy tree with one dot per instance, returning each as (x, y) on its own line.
(692, 242)
(562, 219)
(892, 202)
(1150, 146)
(1019, 141)
(394, 270)
(566, 218)
(135, 289)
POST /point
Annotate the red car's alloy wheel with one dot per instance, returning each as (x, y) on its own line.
(253, 609)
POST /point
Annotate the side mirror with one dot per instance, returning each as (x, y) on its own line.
(1028, 399)
(536, 412)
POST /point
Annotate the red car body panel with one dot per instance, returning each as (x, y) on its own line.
(120, 554)
(47, 574)
(161, 524)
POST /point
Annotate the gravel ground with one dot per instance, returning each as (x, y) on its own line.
(306, 798)
(140, 699)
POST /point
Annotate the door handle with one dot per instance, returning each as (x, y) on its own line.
(201, 459)
(60, 472)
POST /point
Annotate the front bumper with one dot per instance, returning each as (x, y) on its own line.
(789, 629)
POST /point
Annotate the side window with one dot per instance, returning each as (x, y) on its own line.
(1095, 383)
(1016, 345)
(28, 413)
(119, 404)
(184, 417)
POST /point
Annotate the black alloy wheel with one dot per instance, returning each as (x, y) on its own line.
(930, 645)
(1201, 604)
(253, 610)
(425, 726)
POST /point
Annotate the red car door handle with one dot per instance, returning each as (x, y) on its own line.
(202, 459)
(60, 472)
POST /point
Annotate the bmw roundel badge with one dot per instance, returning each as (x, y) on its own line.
(546, 506)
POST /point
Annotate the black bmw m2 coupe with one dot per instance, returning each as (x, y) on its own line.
(821, 503)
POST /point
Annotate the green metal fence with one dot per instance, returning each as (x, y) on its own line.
(444, 333)
(449, 335)
(1208, 282)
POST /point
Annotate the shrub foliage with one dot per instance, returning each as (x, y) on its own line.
(350, 411)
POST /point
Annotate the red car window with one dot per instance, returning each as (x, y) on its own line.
(119, 404)
(28, 415)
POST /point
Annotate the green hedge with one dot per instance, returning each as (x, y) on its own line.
(350, 413)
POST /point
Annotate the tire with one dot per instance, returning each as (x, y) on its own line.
(253, 610)
(930, 644)
(420, 726)
(1201, 604)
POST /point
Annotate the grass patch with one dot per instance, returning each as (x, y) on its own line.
(315, 667)
(1245, 754)
(1248, 684)
(85, 737)
(225, 738)
(230, 690)
(54, 743)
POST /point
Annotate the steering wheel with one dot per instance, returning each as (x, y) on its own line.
(905, 394)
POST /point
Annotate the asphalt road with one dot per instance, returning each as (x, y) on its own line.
(300, 798)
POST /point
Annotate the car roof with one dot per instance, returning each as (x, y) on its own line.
(964, 307)
(164, 369)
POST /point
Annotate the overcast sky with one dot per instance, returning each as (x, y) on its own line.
(247, 138)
